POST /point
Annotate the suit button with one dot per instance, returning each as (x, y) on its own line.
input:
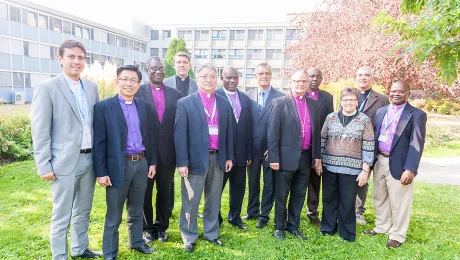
(300, 148)
(160, 142)
(126, 132)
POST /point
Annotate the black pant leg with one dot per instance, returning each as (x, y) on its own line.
(148, 207)
(330, 202)
(283, 185)
(298, 192)
(164, 178)
(171, 197)
(253, 208)
(268, 192)
(347, 200)
(237, 190)
(314, 187)
(226, 176)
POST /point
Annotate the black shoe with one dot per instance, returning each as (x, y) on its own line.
(241, 226)
(145, 249)
(89, 254)
(279, 234)
(216, 242)
(188, 247)
(248, 217)
(324, 233)
(261, 224)
(162, 236)
(298, 233)
(149, 237)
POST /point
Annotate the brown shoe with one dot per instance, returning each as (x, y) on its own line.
(393, 244)
(370, 232)
(315, 222)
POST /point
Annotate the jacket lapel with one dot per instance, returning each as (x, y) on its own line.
(403, 121)
(64, 87)
(88, 97)
(142, 115)
(311, 112)
(147, 92)
(370, 101)
(293, 108)
(199, 108)
(267, 103)
(115, 105)
(320, 99)
(378, 122)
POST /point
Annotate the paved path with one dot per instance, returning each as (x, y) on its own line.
(441, 171)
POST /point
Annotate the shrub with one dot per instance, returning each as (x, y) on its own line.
(437, 135)
(15, 137)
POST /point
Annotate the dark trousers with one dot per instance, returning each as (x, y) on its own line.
(133, 191)
(163, 179)
(339, 196)
(171, 197)
(237, 188)
(314, 187)
(293, 184)
(268, 192)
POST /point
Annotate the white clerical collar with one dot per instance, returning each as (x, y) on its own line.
(228, 92)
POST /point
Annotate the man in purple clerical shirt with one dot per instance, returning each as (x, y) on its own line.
(125, 156)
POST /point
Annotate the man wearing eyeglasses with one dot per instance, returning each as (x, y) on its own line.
(164, 100)
(203, 136)
(125, 156)
(261, 97)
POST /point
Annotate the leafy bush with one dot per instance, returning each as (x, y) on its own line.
(15, 137)
(443, 106)
(437, 135)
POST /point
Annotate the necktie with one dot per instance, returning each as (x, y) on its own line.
(261, 102)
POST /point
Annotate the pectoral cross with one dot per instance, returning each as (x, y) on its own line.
(303, 133)
(387, 133)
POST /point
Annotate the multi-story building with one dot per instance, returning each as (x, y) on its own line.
(240, 45)
(30, 35)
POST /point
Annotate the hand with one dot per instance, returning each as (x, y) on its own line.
(104, 181)
(266, 156)
(183, 171)
(407, 177)
(362, 178)
(318, 167)
(48, 176)
(152, 171)
(275, 166)
(248, 162)
(228, 165)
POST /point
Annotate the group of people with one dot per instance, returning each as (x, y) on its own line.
(137, 139)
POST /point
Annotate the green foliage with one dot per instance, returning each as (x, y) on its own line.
(437, 135)
(443, 106)
(175, 46)
(15, 137)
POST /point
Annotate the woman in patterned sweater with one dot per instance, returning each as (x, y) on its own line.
(347, 145)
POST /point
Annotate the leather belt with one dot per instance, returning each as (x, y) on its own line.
(387, 155)
(213, 151)
(135, 157)
(89, 150)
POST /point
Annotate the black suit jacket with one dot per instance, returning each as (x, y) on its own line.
(326, 106)
(110, 135)
(244, 144)
(260, 122)
(191, 134)
(164, 130)
(408, 141)
(284, 134)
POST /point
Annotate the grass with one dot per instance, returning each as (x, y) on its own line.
(452, 149)
(25, 212)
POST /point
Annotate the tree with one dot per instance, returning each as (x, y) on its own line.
(176, 45)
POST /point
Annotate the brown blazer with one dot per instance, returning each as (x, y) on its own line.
(375, 101)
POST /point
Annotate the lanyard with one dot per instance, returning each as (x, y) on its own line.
(236, 101)
(387, 124)
(213, 112)
(364, 102)
(82, 107)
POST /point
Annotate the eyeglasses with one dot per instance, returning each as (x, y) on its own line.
(349, 100)
(299, 81)
(155, 69)
(264, 73)
(125, 80)
(211, 77)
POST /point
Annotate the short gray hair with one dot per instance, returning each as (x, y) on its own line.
(349, 91)
(204, 66)
(265, 65)
(367, 68)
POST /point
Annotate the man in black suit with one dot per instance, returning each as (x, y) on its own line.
(261, 97)
(203, 136)
(326, 106)
(242, 111)
(399, 138)
(163, 100)
(125, 156)
(293, 148)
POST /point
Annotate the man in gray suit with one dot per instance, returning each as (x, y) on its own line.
(62, 134)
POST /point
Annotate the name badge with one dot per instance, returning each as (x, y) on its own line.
(383, 138)
(213, 130)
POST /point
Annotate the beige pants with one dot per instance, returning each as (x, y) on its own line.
(392, 202)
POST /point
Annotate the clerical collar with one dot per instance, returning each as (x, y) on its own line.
(182, 79)
(365, 92)
(156, 87)
(352, 114)
(123, 101)
(229, 92)
(398, 107)
(205, 95)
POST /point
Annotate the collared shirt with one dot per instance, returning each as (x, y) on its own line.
(235, 101)
(385, 147)
(80, 97)
(262, 98)
(305, 122)
(183, 85)
(159, 100)
(134, 143)
(208, 101)
(363, 97)
(313, 94)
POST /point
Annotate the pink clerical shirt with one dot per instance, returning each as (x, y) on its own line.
(392, 118)
(208, 101)
(313, 95)
(305, 123)
(159, 100)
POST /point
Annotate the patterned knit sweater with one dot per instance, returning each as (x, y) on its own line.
(344, 149)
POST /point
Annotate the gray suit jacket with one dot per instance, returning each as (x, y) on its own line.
(375, 101)
(57, 129)
(171, 82)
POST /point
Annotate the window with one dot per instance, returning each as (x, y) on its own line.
(5, 79)
(44, 51)
(27, 80)
(185, 34)
(4, 45)
(125, 43)
(163, 52)
(276, 73)
(17, 47)
(54, 52)
(88, 58)
(137, 46)
(86, 33)
(236, 54)
(240, 72)
(201, 54)
(218, 54)
(250, 72)
(201, 35)
(236, 34)
(95, 35)
(35, 79)
(104, 37)
(78, 31)
(55, 24)
(18, 80)
(43, 21)
(291, 34)
(274, 34)
(143, 47)
(31, 49)
(219, 72)
(154, 52)
(15, 14)
(274, 54)
(111, 39)
(43, 77)
(66, 27)
(3, 11)
(29, 18)
(166, 34)
(254, 54)
(219, 35)
(118, 41)
(256, 35)
(130, 44)
(154, 35)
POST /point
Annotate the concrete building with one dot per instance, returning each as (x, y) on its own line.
(30, 35)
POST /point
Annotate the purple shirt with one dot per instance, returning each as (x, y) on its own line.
(385, 147)
(313, 95)
(208, 101)
(159, 100)
(305, 123)
(134, 139)
(235, 102)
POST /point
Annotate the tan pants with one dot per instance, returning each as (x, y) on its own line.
(392, 202)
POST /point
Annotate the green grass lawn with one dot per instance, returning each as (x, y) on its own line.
(452, 149)
(25, 212)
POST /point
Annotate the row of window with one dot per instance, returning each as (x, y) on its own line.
(203, 35)
(270, 54)
(51, 23)
(21, 80)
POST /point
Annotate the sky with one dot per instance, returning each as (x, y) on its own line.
(119, 14)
